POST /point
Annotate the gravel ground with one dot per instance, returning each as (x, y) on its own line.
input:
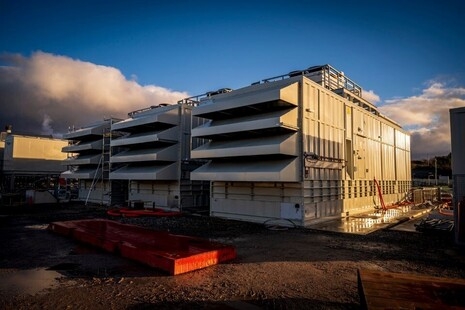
(275, 269)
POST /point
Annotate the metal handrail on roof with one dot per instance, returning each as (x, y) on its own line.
(195, 100)
(331, 78)
(131, 114)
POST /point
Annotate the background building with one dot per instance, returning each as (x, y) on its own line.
(300, 147)
(29, 163)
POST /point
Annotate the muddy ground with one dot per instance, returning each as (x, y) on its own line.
(275, 269)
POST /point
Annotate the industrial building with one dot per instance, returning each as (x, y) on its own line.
(87, 159)
(152, 165)
(28, 163)
(457, 128)
(301, 147)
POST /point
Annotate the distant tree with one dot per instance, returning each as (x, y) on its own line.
(427, 167)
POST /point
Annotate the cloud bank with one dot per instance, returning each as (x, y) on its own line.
(426, 117)
(46, 93)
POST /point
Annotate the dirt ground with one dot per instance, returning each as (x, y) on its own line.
(275, 269)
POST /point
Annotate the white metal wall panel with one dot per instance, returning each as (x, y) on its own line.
(388, 162)
(99, 193)
(387, 134)
(400, 139)
(374, 161)
(348, 122)
(312, 102)
(155, 194)
(256, 201)
(402, 159)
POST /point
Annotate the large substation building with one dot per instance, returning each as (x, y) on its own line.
(302, 147)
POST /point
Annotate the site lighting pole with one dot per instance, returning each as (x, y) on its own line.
(436, 170)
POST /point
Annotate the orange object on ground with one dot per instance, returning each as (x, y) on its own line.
(174, 254)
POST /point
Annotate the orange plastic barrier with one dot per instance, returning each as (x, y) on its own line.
(174, 254)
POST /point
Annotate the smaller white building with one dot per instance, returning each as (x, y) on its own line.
(153, 159)
(87, 160)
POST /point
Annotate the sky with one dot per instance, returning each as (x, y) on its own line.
(72, 63)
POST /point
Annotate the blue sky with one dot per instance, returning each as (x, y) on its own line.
(398, 51)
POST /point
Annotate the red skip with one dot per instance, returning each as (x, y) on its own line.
(174, 254)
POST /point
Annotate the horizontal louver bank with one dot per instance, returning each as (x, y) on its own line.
(143, 155)
(257, 125)
(255, 100)
(249, 102)
(146, 172)
(82, 173)
(252, 135)
(150, 119)
(150, 158)
(93, 159)
(87, 133)
(263, 170)
(82, 146)
(271, 145)
(170, 135)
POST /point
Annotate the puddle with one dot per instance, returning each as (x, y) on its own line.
(15, 282)
(37, 227)
(366, 223)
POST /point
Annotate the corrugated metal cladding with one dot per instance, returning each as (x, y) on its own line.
(292, 149)
(152, 155)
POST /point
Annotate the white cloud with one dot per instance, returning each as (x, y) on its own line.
(370, 96)
(45, 89)
(426, 117)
